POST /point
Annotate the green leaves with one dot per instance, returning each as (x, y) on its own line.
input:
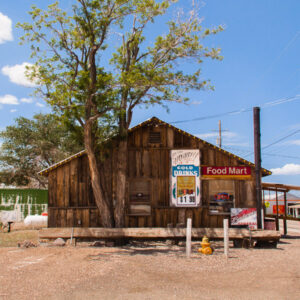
(76, 80)
(32, 145)
(153, 76)
(95, 99)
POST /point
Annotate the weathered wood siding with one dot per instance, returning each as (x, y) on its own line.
(71, 201)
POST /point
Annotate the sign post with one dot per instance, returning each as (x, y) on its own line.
(226, 237)
(188, 237)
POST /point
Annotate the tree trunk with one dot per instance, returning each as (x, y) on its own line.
(102, 203)
(119, 211)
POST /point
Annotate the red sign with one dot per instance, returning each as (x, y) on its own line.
(280, 210)
(244, 216)
(228, 172)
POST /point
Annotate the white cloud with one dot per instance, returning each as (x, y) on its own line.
(294, 126)
(240, 144)
(40, 104)
(206, 135)
(17, 75)
(288, 169)
(295, 142)
(196, 102)
(26, 100)
(13, 110)
(9, 99)
(229, 134)
(229, 139)
(5, 29)
(225, 134)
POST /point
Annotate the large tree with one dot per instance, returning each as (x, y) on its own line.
(30, 145)
(84, 77)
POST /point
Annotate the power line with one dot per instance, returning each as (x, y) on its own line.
(291, 41)
(237, 149)
(280, 101)
(285, 156)
(240, 150)
(276, 142)
(236, 112)
(265, 105)
(283, 138)
(211, 116)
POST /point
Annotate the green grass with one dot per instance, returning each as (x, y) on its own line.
(24, 196)
(7, 207)
(11, 239)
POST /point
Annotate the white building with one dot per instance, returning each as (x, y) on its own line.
(270, 203)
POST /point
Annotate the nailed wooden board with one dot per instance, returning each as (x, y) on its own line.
(217, 233)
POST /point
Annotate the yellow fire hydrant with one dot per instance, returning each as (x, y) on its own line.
(205, 246)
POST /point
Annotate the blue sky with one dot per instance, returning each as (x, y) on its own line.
(261, 65)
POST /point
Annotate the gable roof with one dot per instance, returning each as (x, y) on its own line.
(152, 121)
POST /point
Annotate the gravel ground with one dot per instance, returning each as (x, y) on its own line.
(150, 271)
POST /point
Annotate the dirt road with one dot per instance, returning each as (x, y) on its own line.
(158, 271)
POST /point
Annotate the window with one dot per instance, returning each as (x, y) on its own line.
(221, 197)
(139, 197)
(154, 137)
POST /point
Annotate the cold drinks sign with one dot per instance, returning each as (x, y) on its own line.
(185, 178)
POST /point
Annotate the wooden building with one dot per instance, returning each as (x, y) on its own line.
(225, 180)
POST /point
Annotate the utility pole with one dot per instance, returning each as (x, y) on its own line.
(219, 138)
(257, 155)
(220, 134)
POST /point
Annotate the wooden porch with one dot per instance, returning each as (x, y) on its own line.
(156, 233)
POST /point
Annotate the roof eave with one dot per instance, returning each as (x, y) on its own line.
(265, 172)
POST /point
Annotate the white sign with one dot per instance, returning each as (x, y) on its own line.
(185, 178)
(245, 216)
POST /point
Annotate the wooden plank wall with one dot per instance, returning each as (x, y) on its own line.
(152, 162)
(74, 217)
(71, 201)
(171, 217)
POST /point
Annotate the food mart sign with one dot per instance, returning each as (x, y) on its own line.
(237, 172)
(185, 178)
